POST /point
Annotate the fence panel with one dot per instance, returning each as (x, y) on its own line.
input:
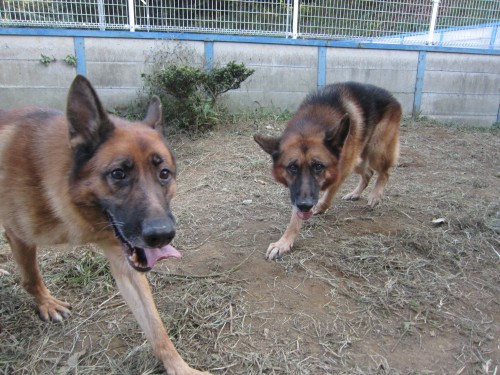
(93, 14)
(246, 17)
(458, 23)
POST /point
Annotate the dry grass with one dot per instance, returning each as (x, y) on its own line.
(382, 291)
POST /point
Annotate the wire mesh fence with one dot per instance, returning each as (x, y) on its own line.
(459, 23)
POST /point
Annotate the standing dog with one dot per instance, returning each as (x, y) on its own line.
(90, 177)
(345, 127)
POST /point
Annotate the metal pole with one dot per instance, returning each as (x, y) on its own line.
(435, 7)
(131, 15)
(295, 20)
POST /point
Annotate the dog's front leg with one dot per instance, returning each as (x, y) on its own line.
(135, 289)
(285, 243)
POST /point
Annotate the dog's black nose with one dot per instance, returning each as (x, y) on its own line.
(305, 205)
(158, 232)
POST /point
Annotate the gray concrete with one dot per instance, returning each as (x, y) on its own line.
(393, 70)
(283, 76)
(461, 88)
(456, 87)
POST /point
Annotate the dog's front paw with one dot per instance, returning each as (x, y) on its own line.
(374, 199)
(51, 309)
(277, 249)
(320, 208)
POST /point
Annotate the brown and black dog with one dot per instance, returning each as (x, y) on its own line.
(91, 177)
(342, 128)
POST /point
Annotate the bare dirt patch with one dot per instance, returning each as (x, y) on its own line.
(365, 291)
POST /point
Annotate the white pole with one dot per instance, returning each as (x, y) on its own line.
(100, 10)
(435, 7)
(295, 20)
(131, 15)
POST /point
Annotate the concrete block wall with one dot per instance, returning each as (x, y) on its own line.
(394, 70)
(451, 87)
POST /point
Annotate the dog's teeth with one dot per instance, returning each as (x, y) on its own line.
(133, 258)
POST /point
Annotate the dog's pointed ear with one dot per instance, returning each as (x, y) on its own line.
(271, 145)
(336, 137)
(87, 120)
(154, 115)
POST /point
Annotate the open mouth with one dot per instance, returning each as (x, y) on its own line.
(142, 259)
(304, 215)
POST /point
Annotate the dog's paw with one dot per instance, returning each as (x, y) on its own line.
(374, 199)
(277, 249)
(51, 309)
(320, 209)
(351, 197)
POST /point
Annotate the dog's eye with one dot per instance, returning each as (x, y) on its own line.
(164, 174)
(118, 174)
(318, 167)
(292, 168)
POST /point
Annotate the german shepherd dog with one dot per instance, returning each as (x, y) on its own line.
(91, 177)
(342, 128)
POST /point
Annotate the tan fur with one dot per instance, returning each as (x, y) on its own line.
(42, 201)
(356, 143)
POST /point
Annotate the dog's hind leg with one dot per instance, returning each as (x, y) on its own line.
(383, 152)
(49, 308)
(375, 196)
(365, 173)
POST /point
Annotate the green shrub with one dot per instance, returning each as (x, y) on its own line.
(190, 93)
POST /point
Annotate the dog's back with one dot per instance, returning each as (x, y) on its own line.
(33, 167)
(366, 104)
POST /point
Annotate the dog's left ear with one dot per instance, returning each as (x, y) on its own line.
(88, 122)
(154, 115)
(271, 145)
(336, 137)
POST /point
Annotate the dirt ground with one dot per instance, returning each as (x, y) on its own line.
(364, 291)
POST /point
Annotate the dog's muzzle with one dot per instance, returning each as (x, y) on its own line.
(156, 234)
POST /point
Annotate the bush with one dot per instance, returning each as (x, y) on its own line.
(189, 93)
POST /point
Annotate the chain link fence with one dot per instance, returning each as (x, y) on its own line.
(456, 23)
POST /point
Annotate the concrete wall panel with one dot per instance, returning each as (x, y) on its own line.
(461, 82)
(455, 62)
(392, 70)
(11, 97)
(471, 109)
(32, 47)
(24, 80)
(119, 63)
(463, 87)
(282, 78)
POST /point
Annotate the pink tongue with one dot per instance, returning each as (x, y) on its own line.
(304, 215)
(154, 255)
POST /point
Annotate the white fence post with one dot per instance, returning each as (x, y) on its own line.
(102, 18)
(435, 7)
(295, 20)
(131, 15)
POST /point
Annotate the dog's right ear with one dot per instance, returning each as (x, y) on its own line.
(271, 145)
(88, 122)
